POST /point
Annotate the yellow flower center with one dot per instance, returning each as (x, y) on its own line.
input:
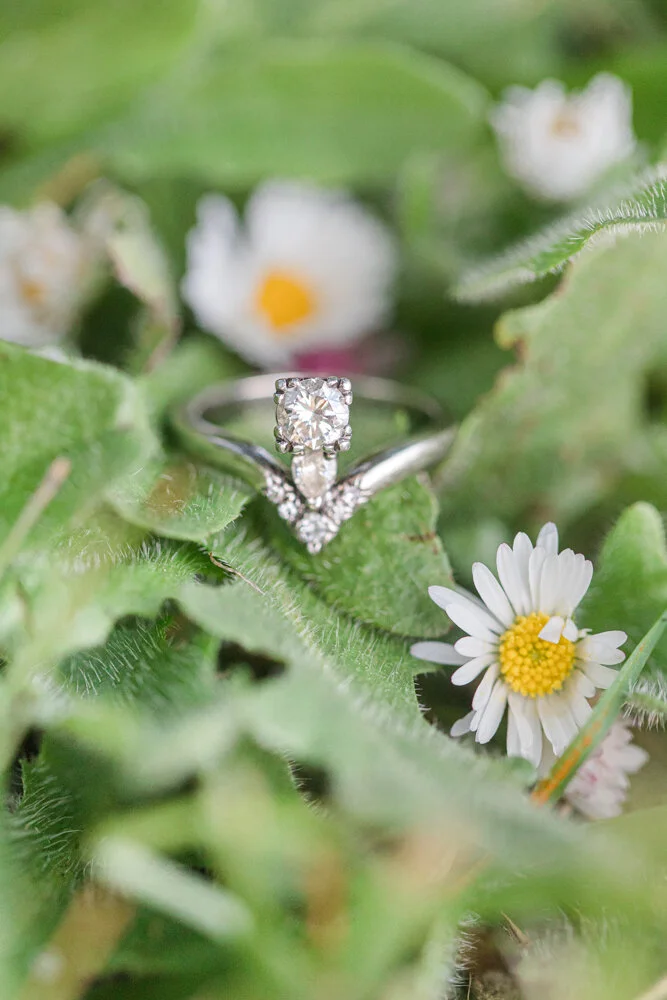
(566, 124)
(532, 666)
(284, 300)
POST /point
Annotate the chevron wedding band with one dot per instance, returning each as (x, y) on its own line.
(313, 425)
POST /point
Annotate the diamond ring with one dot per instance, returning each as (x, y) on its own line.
(312, 425)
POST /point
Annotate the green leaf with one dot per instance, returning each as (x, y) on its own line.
(178, 499)
(88, 414)
(380, 566)
(71, 597)
(140, 264)
(559, 429)
(335, 113)
(134, 870)
(629, 588)
(152, 664)
(642, 209)
(60, 69)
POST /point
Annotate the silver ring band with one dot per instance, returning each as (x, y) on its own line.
(319, 504)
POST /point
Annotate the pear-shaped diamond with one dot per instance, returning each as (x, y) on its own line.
(313, 474)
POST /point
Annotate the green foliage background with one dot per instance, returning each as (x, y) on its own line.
(223, 777)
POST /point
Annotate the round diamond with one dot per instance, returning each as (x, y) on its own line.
(312, 413)
(315, 530)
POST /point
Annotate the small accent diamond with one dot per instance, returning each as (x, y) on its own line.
(289, 509)
(342, 501)
(315, 530)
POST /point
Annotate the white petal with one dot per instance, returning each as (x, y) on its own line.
(602, 648)
(442, 596)
(513, 742)
(537, 557)
(511, 580)
(634, 759)
(446, 598)
(462, 726)
(548, 538)
(438, 652)
(493, 713)
(528, 725)
(473, 622)
(583, 684)
(567, 571)
(557, 721)
(471, 669)
(548, 585)
(579, 707)
(492, 594)
(522, 549)
(471, 647)
(601, 676)
(579, 584)
(553, 630)
(483, 692)
(570, 631)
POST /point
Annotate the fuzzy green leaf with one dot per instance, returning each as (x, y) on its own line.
(629, 589)
(381, 564)
(643, 209)
(560, 429)
(178, 499)
(88, 414)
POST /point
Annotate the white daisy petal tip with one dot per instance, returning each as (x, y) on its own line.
(437, 652)
(553, 630)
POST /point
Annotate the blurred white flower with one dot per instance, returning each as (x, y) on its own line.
(600, 786)
(522, 637)
(557, 144)
(43, 266)
(308, 269)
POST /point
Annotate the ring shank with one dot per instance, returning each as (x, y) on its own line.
(214, 404)
(200, 428)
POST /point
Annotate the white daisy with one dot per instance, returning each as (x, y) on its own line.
(557, 144)
(43, 267)
(600, 786)
(308, 269)
(522, 637)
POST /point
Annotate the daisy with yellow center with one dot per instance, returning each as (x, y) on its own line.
(44, 275)
(522, 637)
(307, 269)
(558, 144)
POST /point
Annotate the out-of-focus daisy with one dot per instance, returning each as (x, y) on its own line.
(44, 264)
(522, 637)
(600, 786)
(307, 270)
(557, 144)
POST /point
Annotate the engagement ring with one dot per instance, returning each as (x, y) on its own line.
(313, 426)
